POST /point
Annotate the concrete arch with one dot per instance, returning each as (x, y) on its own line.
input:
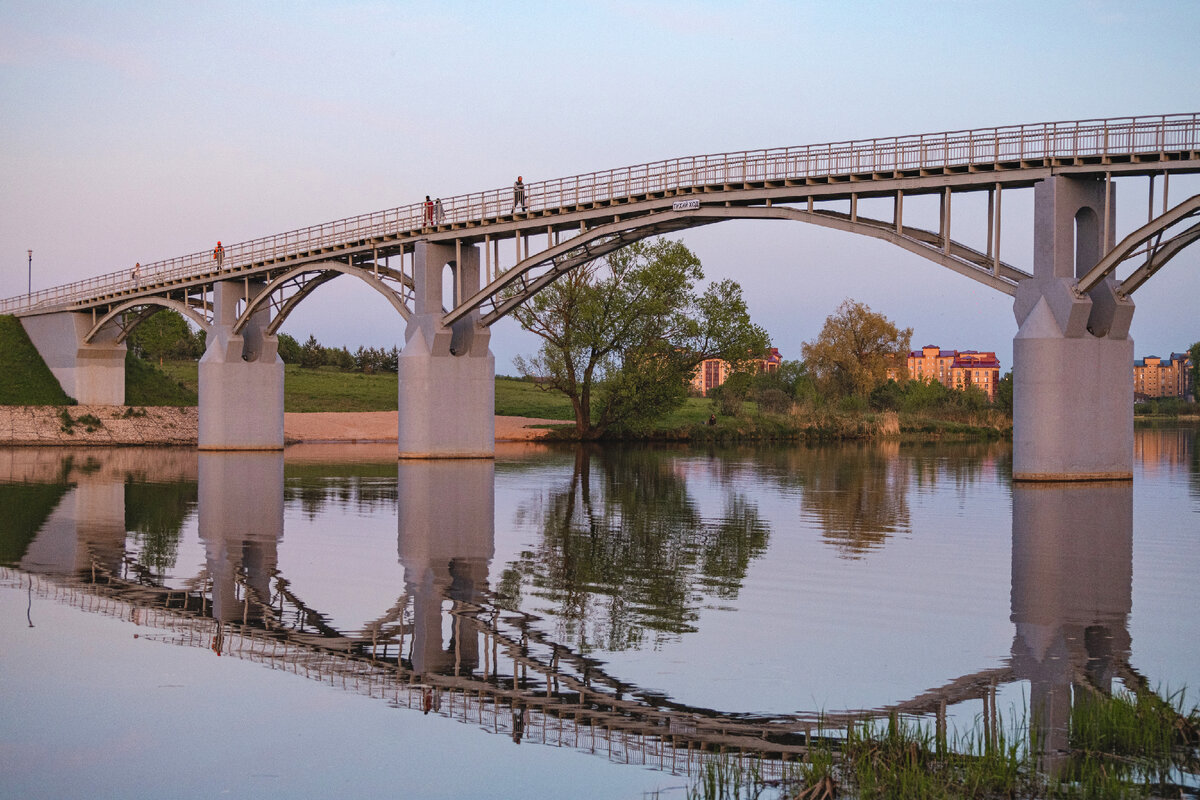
(149, 305)
(1138, 243)
(516, 285)
(304, 280)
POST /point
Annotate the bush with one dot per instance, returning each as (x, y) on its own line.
(774, 401)
(728, 397)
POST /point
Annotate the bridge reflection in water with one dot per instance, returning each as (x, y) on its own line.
(448, 644)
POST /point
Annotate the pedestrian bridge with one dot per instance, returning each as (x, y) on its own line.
(1072, 353)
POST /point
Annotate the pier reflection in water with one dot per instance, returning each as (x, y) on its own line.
(538, 616)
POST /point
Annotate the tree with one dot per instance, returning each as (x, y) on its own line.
(312, 355)
(166, 335)
(1194, 352)
(289, 349)
(849, 357)
(623, 335)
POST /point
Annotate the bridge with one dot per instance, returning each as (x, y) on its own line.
(1073, 385)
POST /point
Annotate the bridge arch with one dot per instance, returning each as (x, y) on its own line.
(124, 323)
(303, 280)
(534, 273)
(1138, 243)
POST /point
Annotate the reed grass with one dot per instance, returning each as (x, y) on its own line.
(1124, 745)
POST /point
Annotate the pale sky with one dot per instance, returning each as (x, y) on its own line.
(141, 131)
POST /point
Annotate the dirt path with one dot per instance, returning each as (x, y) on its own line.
(117, 425)
(381, 426)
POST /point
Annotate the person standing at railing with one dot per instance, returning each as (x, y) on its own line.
(219, 255)
(428, 211)
(439, 215)
(136, 275)
(518, 194)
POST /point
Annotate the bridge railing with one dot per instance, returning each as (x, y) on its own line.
(988, 146)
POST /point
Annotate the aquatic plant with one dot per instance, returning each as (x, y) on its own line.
(1129, 744)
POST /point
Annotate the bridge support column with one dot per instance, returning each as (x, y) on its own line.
(447, 376)
(241, 377)
(1072, 355)
(93, 373)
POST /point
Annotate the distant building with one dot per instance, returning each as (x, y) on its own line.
(1157, 377)
(712, 372)
(954, 369)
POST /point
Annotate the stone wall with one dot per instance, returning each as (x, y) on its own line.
(98, 425)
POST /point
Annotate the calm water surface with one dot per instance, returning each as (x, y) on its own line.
(559, 622)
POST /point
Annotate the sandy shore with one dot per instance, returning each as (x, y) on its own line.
(119, 425)
(381, 426)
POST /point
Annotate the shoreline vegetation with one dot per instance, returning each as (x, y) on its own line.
(328, 389)
(924, 414)
(1128, 743)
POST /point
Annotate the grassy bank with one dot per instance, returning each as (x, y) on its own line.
(27, 379)
(329, 389)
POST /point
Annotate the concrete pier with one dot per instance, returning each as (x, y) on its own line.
(91, 372)
(1072, 355)
(447, 376)
(241, 377)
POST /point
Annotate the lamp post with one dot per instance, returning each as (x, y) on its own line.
(30, 272)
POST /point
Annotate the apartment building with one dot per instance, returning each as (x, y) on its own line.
(1154, 376)
(955, 369)
(712, 372)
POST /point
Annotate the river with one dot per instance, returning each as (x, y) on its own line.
(559, 622)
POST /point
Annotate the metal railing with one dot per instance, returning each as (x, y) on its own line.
(1125, 136)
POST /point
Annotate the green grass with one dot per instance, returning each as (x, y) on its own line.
(517, 398)
(327, 389)
(148, 385)
(1121, 746)
(322, 389)
(27, 379)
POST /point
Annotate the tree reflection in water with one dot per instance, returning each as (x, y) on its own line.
(626, 557)
(857, 495)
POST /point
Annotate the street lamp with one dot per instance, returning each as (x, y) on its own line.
(31, 272)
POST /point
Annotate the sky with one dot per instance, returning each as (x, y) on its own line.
(140, 131)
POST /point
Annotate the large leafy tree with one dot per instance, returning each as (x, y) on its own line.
(166, 335)
(849, 357)
(623, 335)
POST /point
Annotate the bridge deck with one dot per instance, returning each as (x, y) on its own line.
(961, 160)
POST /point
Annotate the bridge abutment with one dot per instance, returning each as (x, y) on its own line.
(241, 377)
(447, 376)
(1072, 355)
(92, 373)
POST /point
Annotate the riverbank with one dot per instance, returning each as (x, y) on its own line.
(168, 425)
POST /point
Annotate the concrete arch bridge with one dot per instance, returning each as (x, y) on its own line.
(1072, 352)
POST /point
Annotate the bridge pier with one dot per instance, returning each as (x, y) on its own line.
(92, 373)
(1072, 355)
(447, 376)
(241, 377)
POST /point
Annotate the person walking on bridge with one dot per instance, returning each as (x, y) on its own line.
(136, 274)
(439, 214)
(518, 194)
(219, 255)
(428, 211)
